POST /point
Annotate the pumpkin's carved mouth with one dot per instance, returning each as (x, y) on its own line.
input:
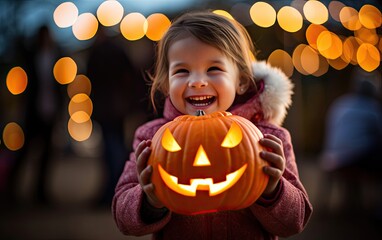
(203, 184)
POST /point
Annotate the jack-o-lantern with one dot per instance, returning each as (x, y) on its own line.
(207, 163)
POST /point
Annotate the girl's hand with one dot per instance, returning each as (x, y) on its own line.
(142, 155)
(274, 155)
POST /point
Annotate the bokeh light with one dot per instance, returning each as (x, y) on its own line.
(329, 45)
(323, 66)
(370, 16)
(133, 26)
(80, 108)
(367, 35)
(80, 131)
(223, 13)
(80, 117)
(17, 80)
(350, 48)
(65, 70)
(110, 13)
(368, 57)
(80, 102)
(312, 33)
(81, 84)
(85, 27)
(263, 14)
(65, 14)
(157, 25)
(296, 58)
(289, 19)
(316, 12)
(349, 18)
(309, 60)
(338, 63)
(13, 136)
(344, 59)
(281, 59)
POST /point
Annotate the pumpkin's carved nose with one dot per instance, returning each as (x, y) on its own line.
(201, 158)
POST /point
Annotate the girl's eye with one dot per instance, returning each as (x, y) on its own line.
(181, 70)
(214, 69)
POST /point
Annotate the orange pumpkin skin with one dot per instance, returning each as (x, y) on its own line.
(208, 131)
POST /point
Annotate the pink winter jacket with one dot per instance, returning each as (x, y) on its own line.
(286, 214)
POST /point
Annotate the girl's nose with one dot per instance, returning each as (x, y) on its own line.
(197, 82)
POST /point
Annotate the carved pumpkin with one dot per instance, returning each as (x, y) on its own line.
(207, 163)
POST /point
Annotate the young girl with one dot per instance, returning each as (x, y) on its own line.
(205, 62)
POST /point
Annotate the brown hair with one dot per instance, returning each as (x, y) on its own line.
(225, 34)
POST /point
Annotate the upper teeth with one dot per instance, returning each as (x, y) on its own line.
(200, 98)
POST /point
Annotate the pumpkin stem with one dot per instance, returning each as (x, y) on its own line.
(200, 113)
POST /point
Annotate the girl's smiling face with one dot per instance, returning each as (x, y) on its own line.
(201, 77)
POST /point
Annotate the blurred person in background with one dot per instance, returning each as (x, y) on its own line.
(353, 139)
(44, 102)
(116, 96)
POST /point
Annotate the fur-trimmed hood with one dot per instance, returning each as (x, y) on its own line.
(273, 99)
(277, 95)
(269, 104)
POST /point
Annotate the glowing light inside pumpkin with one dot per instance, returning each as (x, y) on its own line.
(233, 137)
(202, 184)
(169, 143)
(201, 158)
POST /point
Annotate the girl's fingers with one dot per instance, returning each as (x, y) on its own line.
(273, 159)
(143, 156)
(274, 154)
(273, 137)
(145, 176)
(273, 172)
(140, 148)
(272, 142)
(149, 189)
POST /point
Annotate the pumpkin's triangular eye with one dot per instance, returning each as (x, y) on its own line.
(233, 137)
(169, 143)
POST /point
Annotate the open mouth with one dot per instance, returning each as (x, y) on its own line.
(201, 101)
(201, 184)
